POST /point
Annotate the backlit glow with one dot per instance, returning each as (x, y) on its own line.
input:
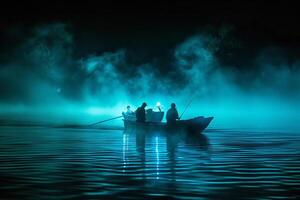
(158, 104)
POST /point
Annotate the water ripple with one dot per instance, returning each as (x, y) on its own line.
(48, 163)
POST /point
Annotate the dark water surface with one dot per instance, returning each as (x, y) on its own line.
(53, 163)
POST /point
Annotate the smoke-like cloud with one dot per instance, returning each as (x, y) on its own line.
(44, 76)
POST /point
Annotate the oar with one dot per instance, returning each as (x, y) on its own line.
(105, 120)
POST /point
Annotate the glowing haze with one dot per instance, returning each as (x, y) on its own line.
(44, 81)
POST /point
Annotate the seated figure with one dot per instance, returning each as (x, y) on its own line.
(129, 114)
(140, 113)
(172, 114)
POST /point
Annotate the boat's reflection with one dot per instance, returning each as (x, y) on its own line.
(173, 139)
(165, 146)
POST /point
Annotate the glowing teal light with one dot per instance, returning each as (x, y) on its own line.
(158, 104)
(95, 111)
(112, 111)
(91, 65)
(125, 150)
(157, 158)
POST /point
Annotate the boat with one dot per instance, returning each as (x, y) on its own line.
(194, 125)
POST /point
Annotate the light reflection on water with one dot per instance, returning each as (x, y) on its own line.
(48, 163)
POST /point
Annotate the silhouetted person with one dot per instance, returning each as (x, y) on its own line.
(172, 114)
(129, 111)
(129, 114)
(140, 113)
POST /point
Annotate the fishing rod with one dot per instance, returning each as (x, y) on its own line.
(186, 107)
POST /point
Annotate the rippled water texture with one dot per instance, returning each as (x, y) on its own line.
(49, 163)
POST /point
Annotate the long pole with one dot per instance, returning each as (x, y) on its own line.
(105, 120)
(186, 107)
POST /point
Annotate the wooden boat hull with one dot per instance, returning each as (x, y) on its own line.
(195, 125)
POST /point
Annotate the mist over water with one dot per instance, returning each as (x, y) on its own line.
(43, 80)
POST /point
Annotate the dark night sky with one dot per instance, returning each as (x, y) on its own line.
(151, 29)
(132, 22)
